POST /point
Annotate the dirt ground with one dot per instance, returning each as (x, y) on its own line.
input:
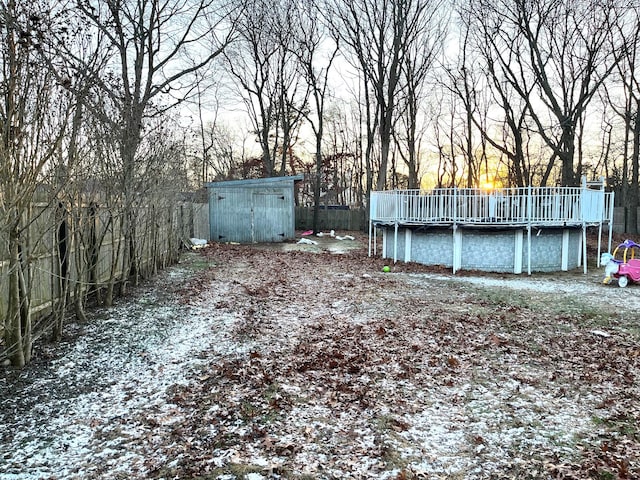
(310, 362)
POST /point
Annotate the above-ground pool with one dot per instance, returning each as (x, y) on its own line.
(493, 250)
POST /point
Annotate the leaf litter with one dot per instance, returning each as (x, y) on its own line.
(251, 362)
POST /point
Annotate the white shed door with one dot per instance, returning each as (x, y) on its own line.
(271, 216)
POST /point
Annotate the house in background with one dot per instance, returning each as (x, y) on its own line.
(252, 211)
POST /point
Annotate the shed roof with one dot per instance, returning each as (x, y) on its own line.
(253, 182)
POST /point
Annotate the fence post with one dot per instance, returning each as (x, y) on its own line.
(529, 213)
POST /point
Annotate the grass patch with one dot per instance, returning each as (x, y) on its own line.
(242, 472)
(239, 471)
(195, 261)
(387, 428)
(606, 476)
(391, 457)
(544, 303)
(625, 425)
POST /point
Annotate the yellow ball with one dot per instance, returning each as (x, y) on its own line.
(386, 269)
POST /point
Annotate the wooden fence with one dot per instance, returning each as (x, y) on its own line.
(82, 247)
(332, 219)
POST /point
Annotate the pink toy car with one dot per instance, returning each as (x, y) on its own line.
(625, 269)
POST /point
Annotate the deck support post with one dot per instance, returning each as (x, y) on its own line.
(529, 213)
(395, 243)
(407, 245)
(457, 249)
(599, 244)
(375, 240)
(564, 262)
(384, 243)
(518, 246)
(529, 249)
(583, 253)
(610, 222)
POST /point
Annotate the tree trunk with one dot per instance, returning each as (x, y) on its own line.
(12, 325)
(634, 189)
(384, 161)
(568, 149)
(79, 303)
(17, 328)
(316, 193)
(62, 278)
(118, 246)
(25, 315)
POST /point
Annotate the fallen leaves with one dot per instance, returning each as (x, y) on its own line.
(380, 348)
(321, 365)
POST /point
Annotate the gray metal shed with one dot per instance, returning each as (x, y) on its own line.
(255, 210)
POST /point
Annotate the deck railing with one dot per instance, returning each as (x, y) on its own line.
(516, 206)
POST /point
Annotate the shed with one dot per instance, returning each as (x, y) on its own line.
(252, 211)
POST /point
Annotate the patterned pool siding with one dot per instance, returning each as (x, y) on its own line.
(486, 250)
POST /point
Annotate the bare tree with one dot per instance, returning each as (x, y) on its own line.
(293, 91)
(341, 152)
(226, 151)
(446, 160)
(263, 65)
(158, 46)
(556, 51)
(464, 83)
(250, 62)
(392, 44)
(34, 114)
(625, 30)
(490, 61)
(310, 41)
(213, 106)
(424, 43)
(375, 33)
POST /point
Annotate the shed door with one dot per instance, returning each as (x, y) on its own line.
(229, 219)
(271, 213)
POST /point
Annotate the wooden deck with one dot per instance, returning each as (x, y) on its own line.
(526, 209)
(541, 207)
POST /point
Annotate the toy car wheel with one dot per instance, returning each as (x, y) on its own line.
(623, 281)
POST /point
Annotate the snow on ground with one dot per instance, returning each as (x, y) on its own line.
(83, 410)
(109, 402)
(584, 288)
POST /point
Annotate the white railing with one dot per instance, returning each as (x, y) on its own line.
(516, 206)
